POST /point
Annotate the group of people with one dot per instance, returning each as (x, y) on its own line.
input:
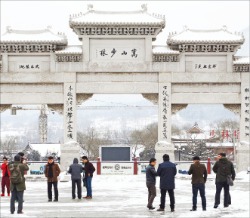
(14, 181)
(223, 168)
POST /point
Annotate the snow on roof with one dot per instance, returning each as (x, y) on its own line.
(44, 148)
(242, 60)
(205, 36)
(195, 129)
(74, 49)
(95, 17)
(163, 49)
(34, 36)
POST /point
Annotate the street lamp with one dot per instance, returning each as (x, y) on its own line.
(179, 149)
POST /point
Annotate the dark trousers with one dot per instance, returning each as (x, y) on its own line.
(227, 198)
(16, 195)
(151, 193)
(163, 198)
(201, 188)
(89, 186)
(50, 190)
(76, 182)
(5, 182)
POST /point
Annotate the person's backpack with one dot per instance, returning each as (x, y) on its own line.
(15, 174)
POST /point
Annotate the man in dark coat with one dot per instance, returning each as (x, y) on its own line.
(150, 182)
(167, 171)
(52, 171)
(5, 177)
(223, 168)
(89, 171)
(17, 170)
(75, 170)
(199, 178)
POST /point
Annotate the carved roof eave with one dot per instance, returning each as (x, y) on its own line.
(171, 42)
(28, 42)
(159, 28)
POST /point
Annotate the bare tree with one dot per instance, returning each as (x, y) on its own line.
(9, 145)
(91, 140)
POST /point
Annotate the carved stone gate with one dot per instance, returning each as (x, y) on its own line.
(116, 55)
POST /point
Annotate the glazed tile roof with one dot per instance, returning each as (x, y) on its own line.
(242, 60)
(205, 36)
(94, 17)
(73, 49)
(163, 49)
(33, 36)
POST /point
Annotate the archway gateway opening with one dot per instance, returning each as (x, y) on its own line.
(117, 120)
(117, 56)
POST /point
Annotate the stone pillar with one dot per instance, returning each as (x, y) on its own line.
(164, 146)
(70, 149)
(243, 150)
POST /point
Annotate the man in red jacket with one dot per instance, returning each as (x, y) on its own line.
(5, 176)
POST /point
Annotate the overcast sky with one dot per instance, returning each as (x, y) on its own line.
(194, 14)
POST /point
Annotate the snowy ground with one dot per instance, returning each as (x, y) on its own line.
(126, 196)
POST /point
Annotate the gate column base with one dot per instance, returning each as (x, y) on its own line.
(242, 156)
(164, 147)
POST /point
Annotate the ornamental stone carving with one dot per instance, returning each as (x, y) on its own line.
(80, 98)
(28, 48)
(235, 108)
(118, 31)
(165, 58)
(151, 97)
(177, 107)
(4, 107)
(68, 58)
(205, 48)
(56, 107)
(241, 68)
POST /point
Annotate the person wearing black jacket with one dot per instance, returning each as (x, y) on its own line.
(89, 171)
(223, 168)
(75, 170)
(167, 171)
(150, 182)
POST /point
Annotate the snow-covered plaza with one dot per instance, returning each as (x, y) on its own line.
(126, 196)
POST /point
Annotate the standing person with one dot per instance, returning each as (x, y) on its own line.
(150, 182)
(167, 171)
(199, 178)
(52, 171)
(89, 170)
(75, 170)
(5, 177)
(17, 183)
(223, 168)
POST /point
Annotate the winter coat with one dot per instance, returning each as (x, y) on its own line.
(4, 168)
(23, 168)
(198, 172)
(56, 172)
(75, 170)
(89, 169)
(223, 168)
(167, 171)
(151, 174)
